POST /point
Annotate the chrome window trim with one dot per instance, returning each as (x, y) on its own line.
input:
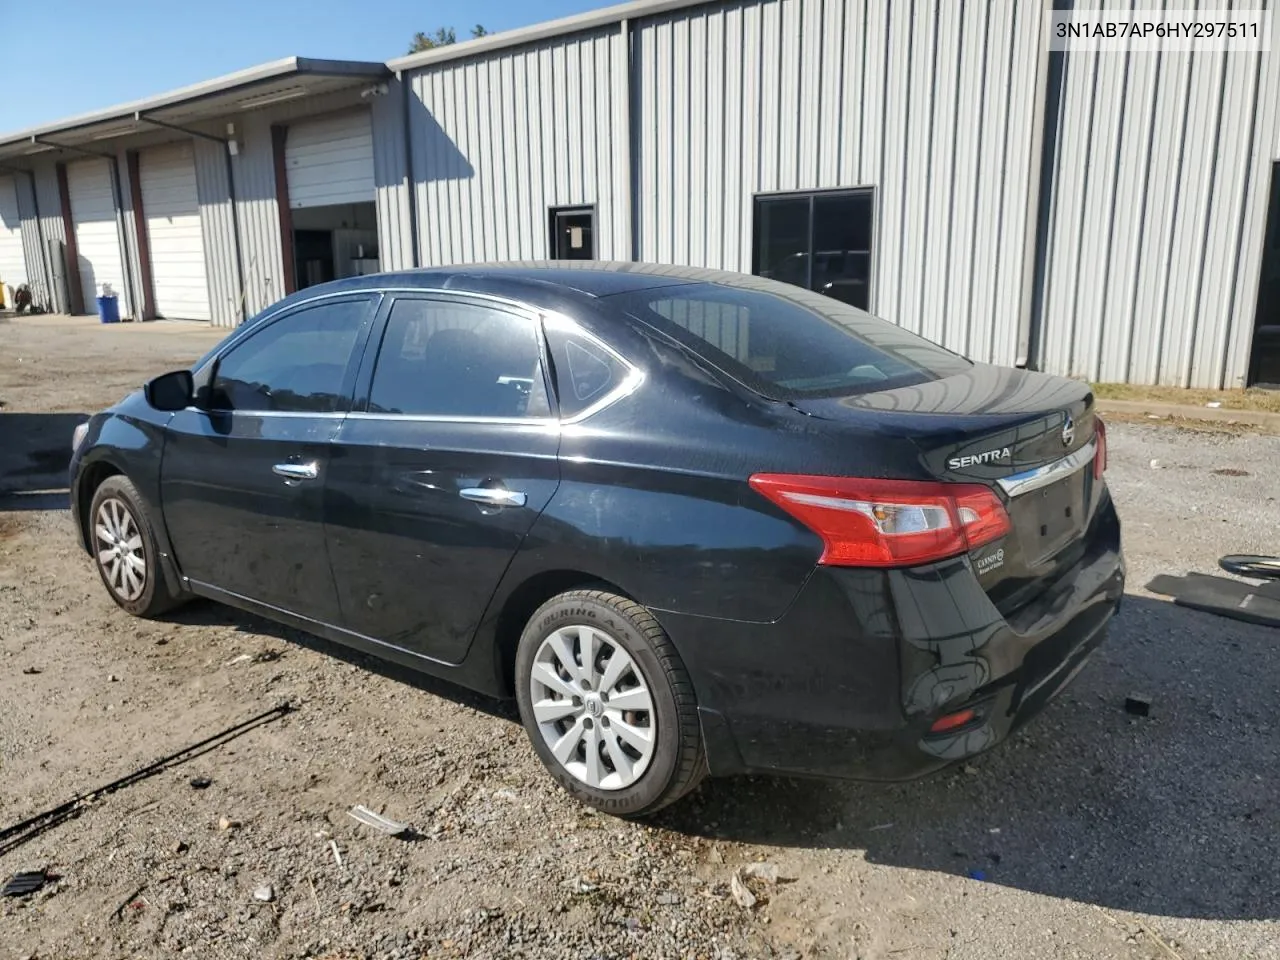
(627, 386)
(1029, 480)
(322, 415)
(430, 418)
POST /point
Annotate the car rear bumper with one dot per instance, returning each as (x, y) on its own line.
(848, 683)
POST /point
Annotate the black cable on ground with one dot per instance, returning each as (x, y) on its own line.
(20, 833)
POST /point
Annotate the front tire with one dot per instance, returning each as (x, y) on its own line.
(607, 703)
(124, 549)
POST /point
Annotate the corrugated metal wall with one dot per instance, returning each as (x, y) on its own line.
(217, 232)
(931, 103)
(1157, 217)
(391, 178)
(498, 140)
(32, 249)
(131, 297)
(254, 172)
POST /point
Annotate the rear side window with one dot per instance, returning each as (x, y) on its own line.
(788, 343)
(447, 358)
(586, 371)
(296, 364)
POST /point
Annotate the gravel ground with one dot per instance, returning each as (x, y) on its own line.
(1091, 834)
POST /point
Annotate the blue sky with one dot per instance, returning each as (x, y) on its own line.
(64, 57)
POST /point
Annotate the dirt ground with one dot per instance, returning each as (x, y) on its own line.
(1092, 833)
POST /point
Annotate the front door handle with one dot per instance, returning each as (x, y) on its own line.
(297, 471)
(494, 496)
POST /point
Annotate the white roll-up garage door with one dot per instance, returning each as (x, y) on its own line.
(330, 161)
(93, 213)
(13, 262)
(167, 176)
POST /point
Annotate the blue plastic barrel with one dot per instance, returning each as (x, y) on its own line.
(109, 309)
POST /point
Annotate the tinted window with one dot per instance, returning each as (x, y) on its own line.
(295, 364)
(453, 359)
(821, 241)
(586, 372)
(789, 343)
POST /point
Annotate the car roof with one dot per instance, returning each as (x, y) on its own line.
(588, 278)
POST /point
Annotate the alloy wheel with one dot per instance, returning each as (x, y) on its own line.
(593, 707)
(119, 549)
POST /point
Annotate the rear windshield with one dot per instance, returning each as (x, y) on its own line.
(788, 343)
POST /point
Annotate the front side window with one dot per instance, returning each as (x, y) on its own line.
(788, 343)
(296, 364)
(447, 358)
(820, 241)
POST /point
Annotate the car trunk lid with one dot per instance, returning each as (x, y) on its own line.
(1029, 436)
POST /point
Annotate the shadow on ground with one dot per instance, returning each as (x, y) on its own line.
(1175, 814)
(208, 613)
(35, 451)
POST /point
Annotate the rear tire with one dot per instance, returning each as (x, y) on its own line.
(123, 544)
(608, 704)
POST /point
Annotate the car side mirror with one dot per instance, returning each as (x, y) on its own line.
(171, 391)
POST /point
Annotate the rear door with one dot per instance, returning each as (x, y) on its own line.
(440, 470)
(243, 475)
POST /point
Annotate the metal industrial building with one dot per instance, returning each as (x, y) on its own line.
(1111, 216)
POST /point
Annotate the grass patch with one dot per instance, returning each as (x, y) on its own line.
(1253, 399)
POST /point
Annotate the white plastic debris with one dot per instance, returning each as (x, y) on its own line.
(370, 819)
(741, 895)
(768, 872)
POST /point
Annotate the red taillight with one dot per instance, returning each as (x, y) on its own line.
(1100, 455)
(888, 523)
(952, 721)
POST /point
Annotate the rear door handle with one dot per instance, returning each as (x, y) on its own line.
(297, 471)
(494, 496)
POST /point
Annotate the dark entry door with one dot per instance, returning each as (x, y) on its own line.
(1264, 364)
(243, 476)
(573, 233)
(434, 484)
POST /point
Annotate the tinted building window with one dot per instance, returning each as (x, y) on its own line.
(821, 241)
(296, 364)
(448, 358)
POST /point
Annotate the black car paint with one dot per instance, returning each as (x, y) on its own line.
(797, 667)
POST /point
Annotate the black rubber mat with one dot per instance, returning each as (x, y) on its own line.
(21, 884)
(1229, 598)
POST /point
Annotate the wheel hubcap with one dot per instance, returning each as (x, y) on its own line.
(120, 555)
(593, 707)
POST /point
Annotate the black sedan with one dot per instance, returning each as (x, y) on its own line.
(693, 521)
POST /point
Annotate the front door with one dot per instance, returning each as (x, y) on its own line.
(243, 476)
(440, 471)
